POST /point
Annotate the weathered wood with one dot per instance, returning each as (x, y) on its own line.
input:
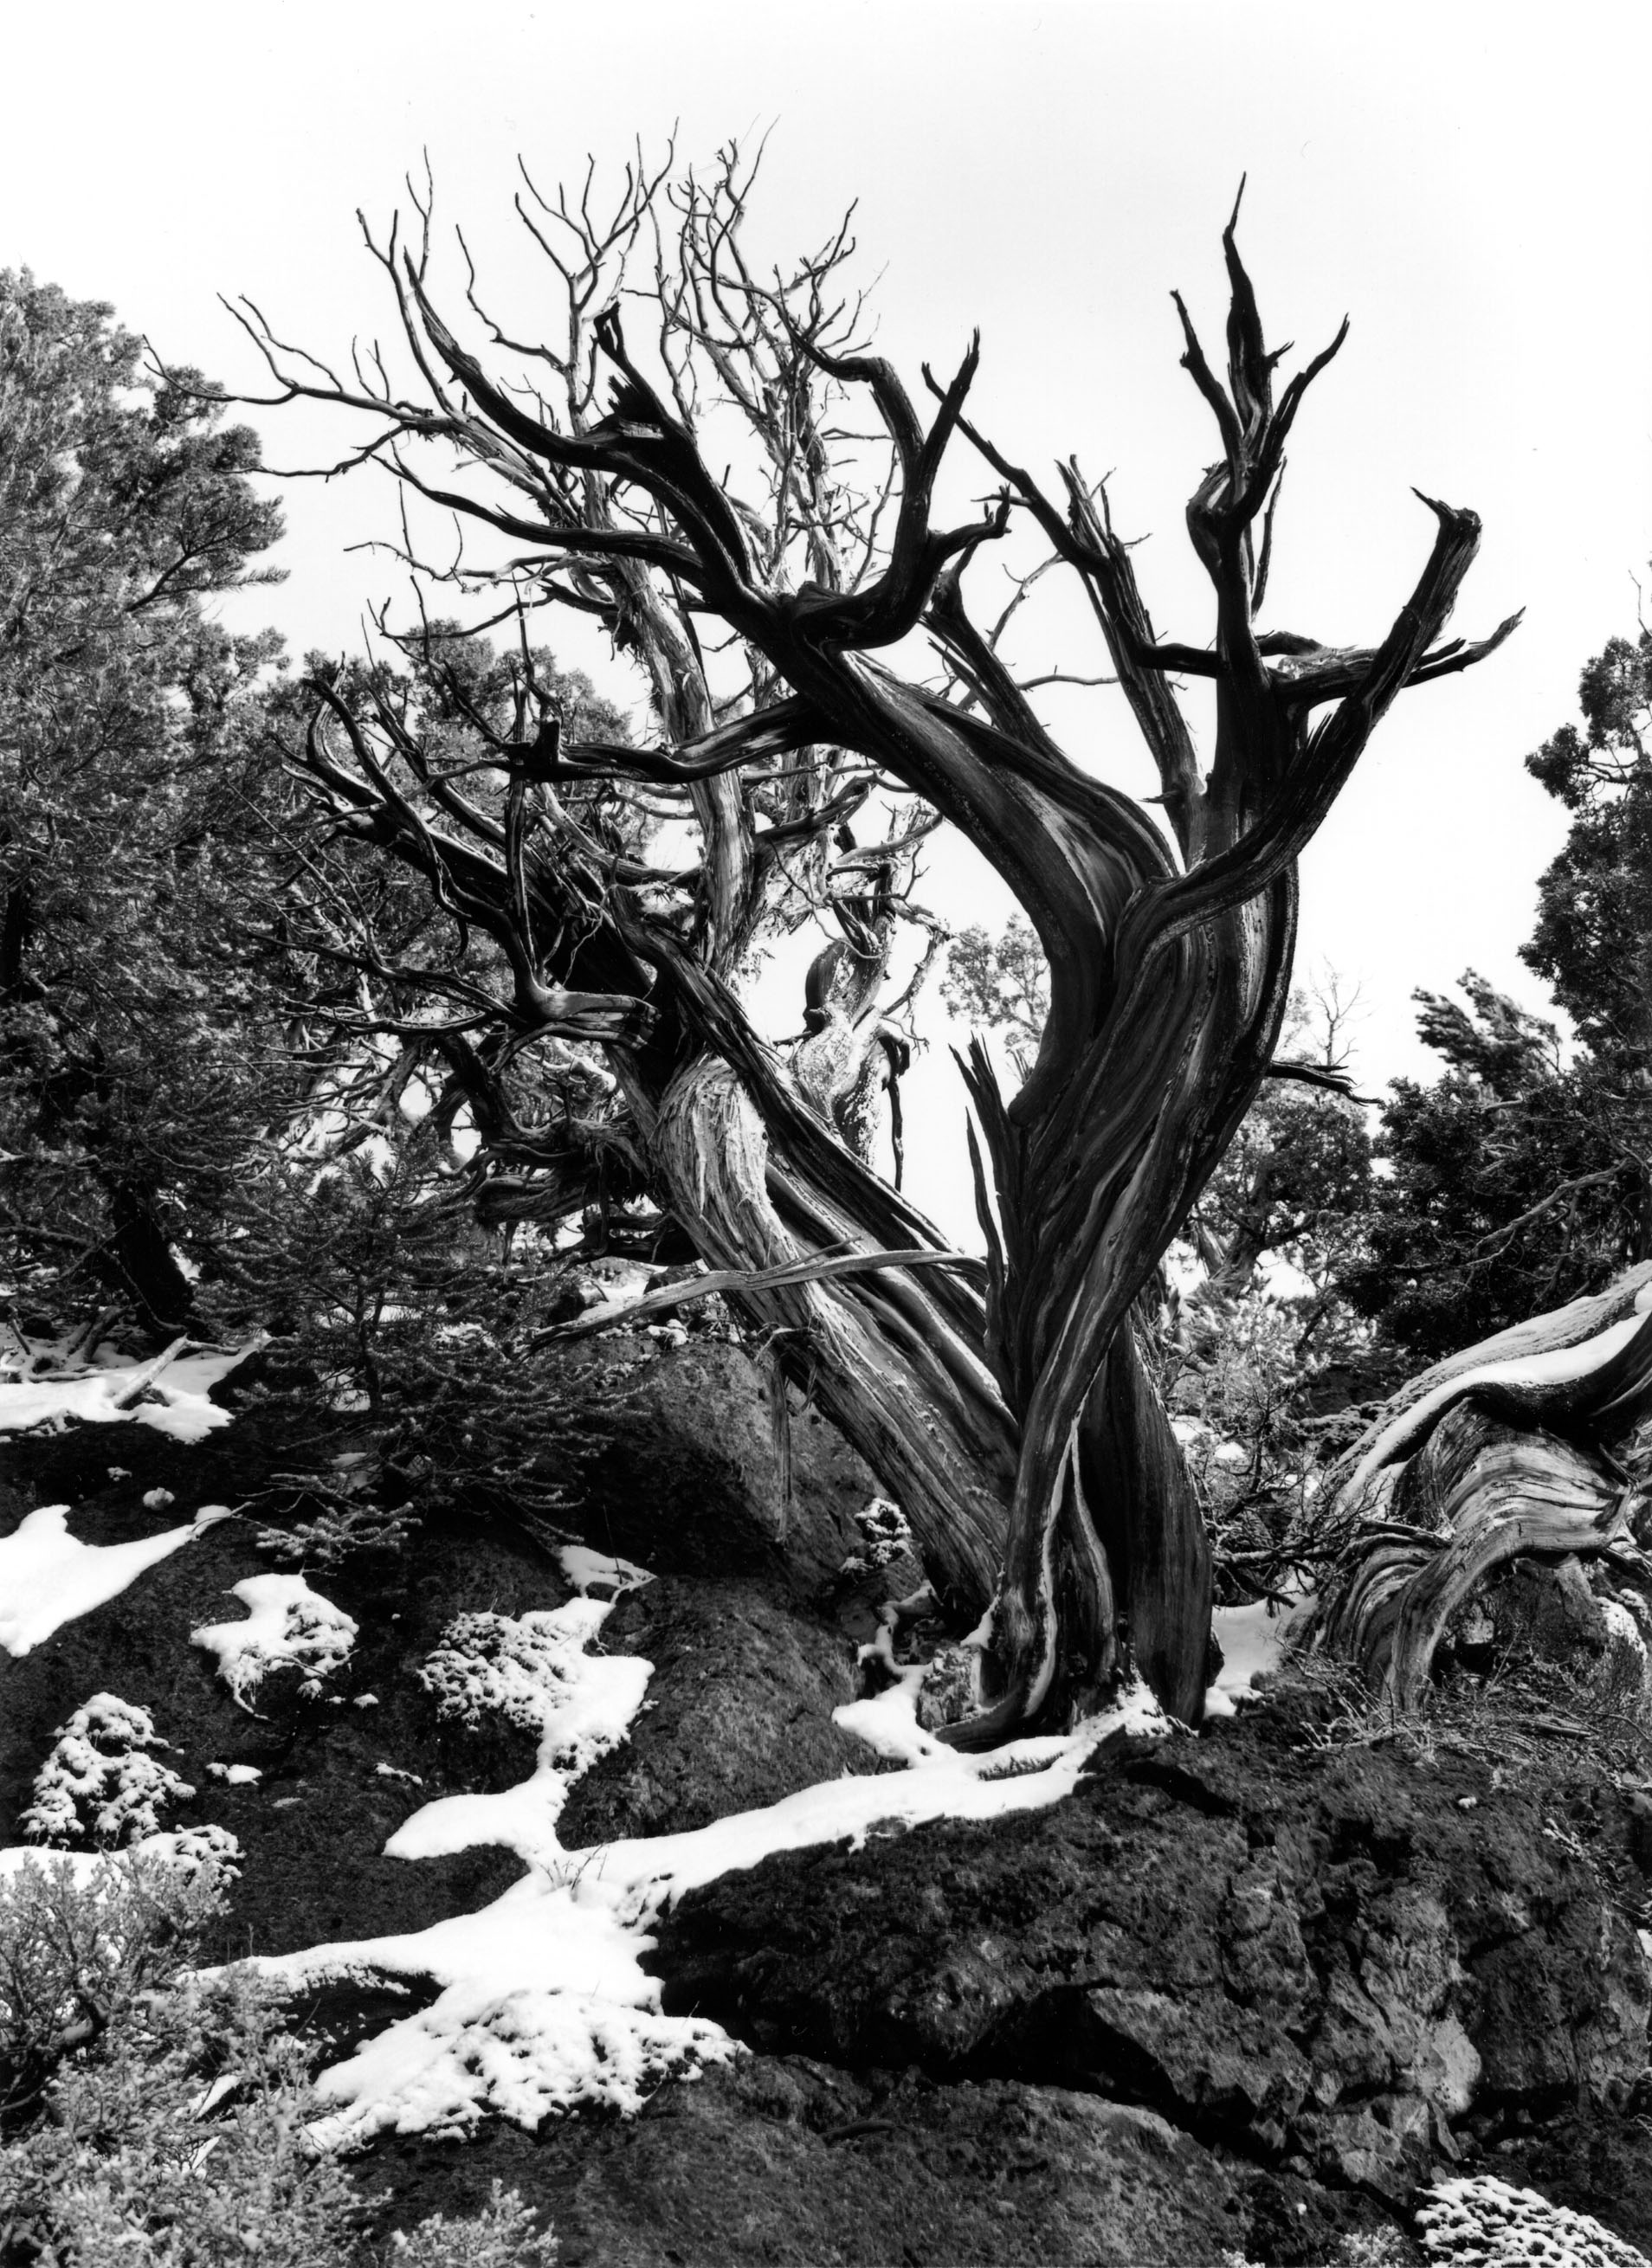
(1498, 1452)
(1020, 1432)
(884, 1364)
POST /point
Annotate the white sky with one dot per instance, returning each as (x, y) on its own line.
(1468, 181)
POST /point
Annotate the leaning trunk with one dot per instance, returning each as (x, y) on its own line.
(892, 1356)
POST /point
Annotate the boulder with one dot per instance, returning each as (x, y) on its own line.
(1318, 1957)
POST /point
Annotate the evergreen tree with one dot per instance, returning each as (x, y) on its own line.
(129, 994)
(1523, 1177)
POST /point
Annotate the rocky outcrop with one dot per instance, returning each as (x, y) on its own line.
(1342, 1962)
(690, 1485)
(780, 2160)
(1239, 1996)
(739, 1711)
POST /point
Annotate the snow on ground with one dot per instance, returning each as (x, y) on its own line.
(535, 1670)
(48, 1577)
(169, 1391)
(584, 1568)
(287, 1625)
(1252, 1641)
(544, 2001)
(619, 1284)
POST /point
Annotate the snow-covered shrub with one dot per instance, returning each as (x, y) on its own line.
(488, 1664)
(337, 1531)
(501, 2236)
(288, 1626)
(885, 1537)
(101, 1782)
(159, 2120)
(1480, 2222)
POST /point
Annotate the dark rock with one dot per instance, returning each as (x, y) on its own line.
(1279, 1949)
(1597, 2165)
(689, 1484)
(738, 1713)
(779, 2162)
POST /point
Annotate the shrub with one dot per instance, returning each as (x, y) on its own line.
(101, 1779)
(159, 2119)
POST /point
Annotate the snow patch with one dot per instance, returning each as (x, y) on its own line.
(534, 1670)
(235, 1774)
(543, 2001)
(1252, 1640)
(618, 1285)
(48, 1577)
(1282, 1283)
(584, 1568)
(288, 1625)
(169, 1392)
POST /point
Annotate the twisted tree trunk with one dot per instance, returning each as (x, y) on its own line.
(893, 1356)
(1012, 1414)
(1521, 1447)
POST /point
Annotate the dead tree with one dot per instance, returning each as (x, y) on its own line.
(1009, 1408)
(1530, 1445)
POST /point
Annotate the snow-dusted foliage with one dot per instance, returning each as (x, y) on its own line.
(336, 1533)
(289, 1626)
(503, 2234)
(885, 1537)
(507, 1666)
(1480, 2222)
(534, 1670)
(102, 1781)
(80, 1936)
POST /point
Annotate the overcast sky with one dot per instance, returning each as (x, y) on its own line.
(1468, 182)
